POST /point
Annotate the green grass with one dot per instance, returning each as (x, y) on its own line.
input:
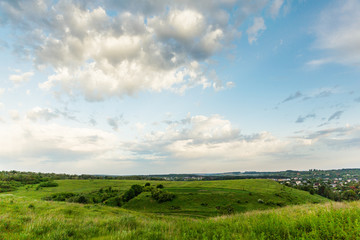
(25, 218)
(193, 198)
(197, 212)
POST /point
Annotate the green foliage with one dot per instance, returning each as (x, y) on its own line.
(128, 195)
(350, 195)
(48, 184)
(62, 196)
(137, 189)
(162, 196)
(114, 202)
(147, 184)
(8, 186)
(160, 186)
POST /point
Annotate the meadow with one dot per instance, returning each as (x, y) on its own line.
(23, 215)
(193, 198)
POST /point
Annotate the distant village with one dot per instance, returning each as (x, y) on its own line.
(338, 185)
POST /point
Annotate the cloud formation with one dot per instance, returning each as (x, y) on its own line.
(335, 115)
(294, 96)
(337, 33)
(275, 8)
(21, 78)
(115, 48)
(256, 29)
(302, 119)
(206, 137)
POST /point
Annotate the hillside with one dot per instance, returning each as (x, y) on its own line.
(25, 218)
(193, 198)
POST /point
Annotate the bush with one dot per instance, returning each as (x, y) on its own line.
(114, 202)
(137, 189)
(162, 196)
(128, 195)
(59, 196)
(48, 184)
(147, 184)
(160, 186)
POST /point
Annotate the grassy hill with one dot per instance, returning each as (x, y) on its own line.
(26, 218)
(193, 198)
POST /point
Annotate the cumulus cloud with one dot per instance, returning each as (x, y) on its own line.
(256, 29)
(21, 78)
(193, 144)
(206, 137)
(337, 33)
(147, 46)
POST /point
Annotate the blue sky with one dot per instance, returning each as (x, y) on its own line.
(157, 86)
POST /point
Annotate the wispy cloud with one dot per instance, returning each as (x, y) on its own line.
(256, 29)
(302, 119)
(335, 116)
(337, 34)
(294, 96)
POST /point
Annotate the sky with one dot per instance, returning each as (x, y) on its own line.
(158, 86)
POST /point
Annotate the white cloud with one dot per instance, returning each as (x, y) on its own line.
(14, 114)
(256, 29)
(338, 34)
(28, 145)
(275, 8)
(193, 144)
(202, 137)
(41, 113)
(147, 46)
(21, 78)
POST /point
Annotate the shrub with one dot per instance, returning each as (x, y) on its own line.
(137, 189)
(114, 202)
(48, 184)
(147, 184)
(59, 196)
(162, 196)
(31, 206)
(160, 186)
(128, 195)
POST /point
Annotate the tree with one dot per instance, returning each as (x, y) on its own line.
(128, 195)
(350, 195)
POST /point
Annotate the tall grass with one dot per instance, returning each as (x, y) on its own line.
(22, 218)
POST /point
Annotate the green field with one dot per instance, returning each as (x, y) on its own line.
(193, 198)
(23, 215)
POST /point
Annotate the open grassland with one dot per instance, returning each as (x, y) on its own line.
(193, 198)
(25, 218)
